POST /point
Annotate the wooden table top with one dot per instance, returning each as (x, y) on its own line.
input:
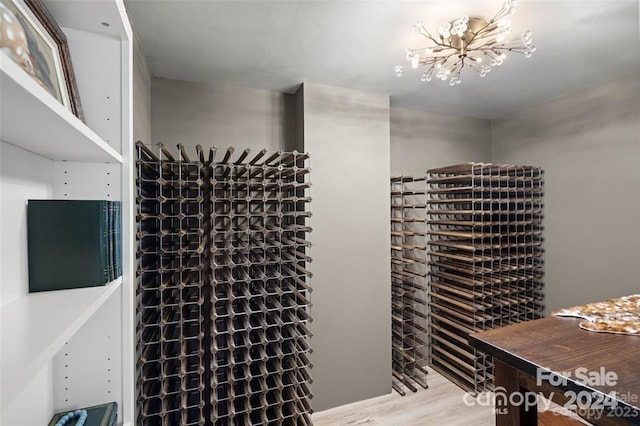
(557, 344)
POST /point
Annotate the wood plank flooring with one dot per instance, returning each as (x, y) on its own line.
(442, 405)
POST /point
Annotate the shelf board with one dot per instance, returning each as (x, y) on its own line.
(35, 327)
(32, 119)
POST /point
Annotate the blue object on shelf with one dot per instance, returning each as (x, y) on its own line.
(98, 415)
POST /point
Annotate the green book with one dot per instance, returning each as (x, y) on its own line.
(118, 237)
(111, 241)
(98, 415)
(67, 244)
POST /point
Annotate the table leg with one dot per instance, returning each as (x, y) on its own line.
(511, 408)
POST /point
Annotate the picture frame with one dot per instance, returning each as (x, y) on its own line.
(41, 49)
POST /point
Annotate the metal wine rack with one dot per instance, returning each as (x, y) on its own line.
(172, 281)
(223, 289)
(408, 283)
(485, 261)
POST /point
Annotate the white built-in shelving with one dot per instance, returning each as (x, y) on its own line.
(65, 349)
(32, 119)
(35, 327)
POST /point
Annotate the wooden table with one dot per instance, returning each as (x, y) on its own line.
(526, 354)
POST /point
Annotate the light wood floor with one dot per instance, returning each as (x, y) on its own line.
(441, 404)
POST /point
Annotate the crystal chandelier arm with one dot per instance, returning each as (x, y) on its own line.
(432, 49)
(474, 66)
(487, 29)
(434, 61)
(428, 61)
(520, 50)
(504, 11)
(420, 29)
(492, 24)
(457, 67)
(513, 43)
(481, 36)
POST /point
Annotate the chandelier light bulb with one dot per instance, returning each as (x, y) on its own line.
(418, 27)
(426, 76)
(504, 23)
(445, 30)
(462, 43)
(510, 6)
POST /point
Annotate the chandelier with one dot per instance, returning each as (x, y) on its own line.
(467, 42)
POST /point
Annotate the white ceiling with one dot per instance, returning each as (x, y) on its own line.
(276, 45)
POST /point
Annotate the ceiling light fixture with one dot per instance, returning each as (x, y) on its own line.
(467, 42)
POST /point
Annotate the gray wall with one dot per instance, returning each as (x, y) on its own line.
(197, 113)
(589, 147)
(141, 97)
(423, 140)
(347, 134)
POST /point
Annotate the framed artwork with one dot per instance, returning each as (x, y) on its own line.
(31, 38)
